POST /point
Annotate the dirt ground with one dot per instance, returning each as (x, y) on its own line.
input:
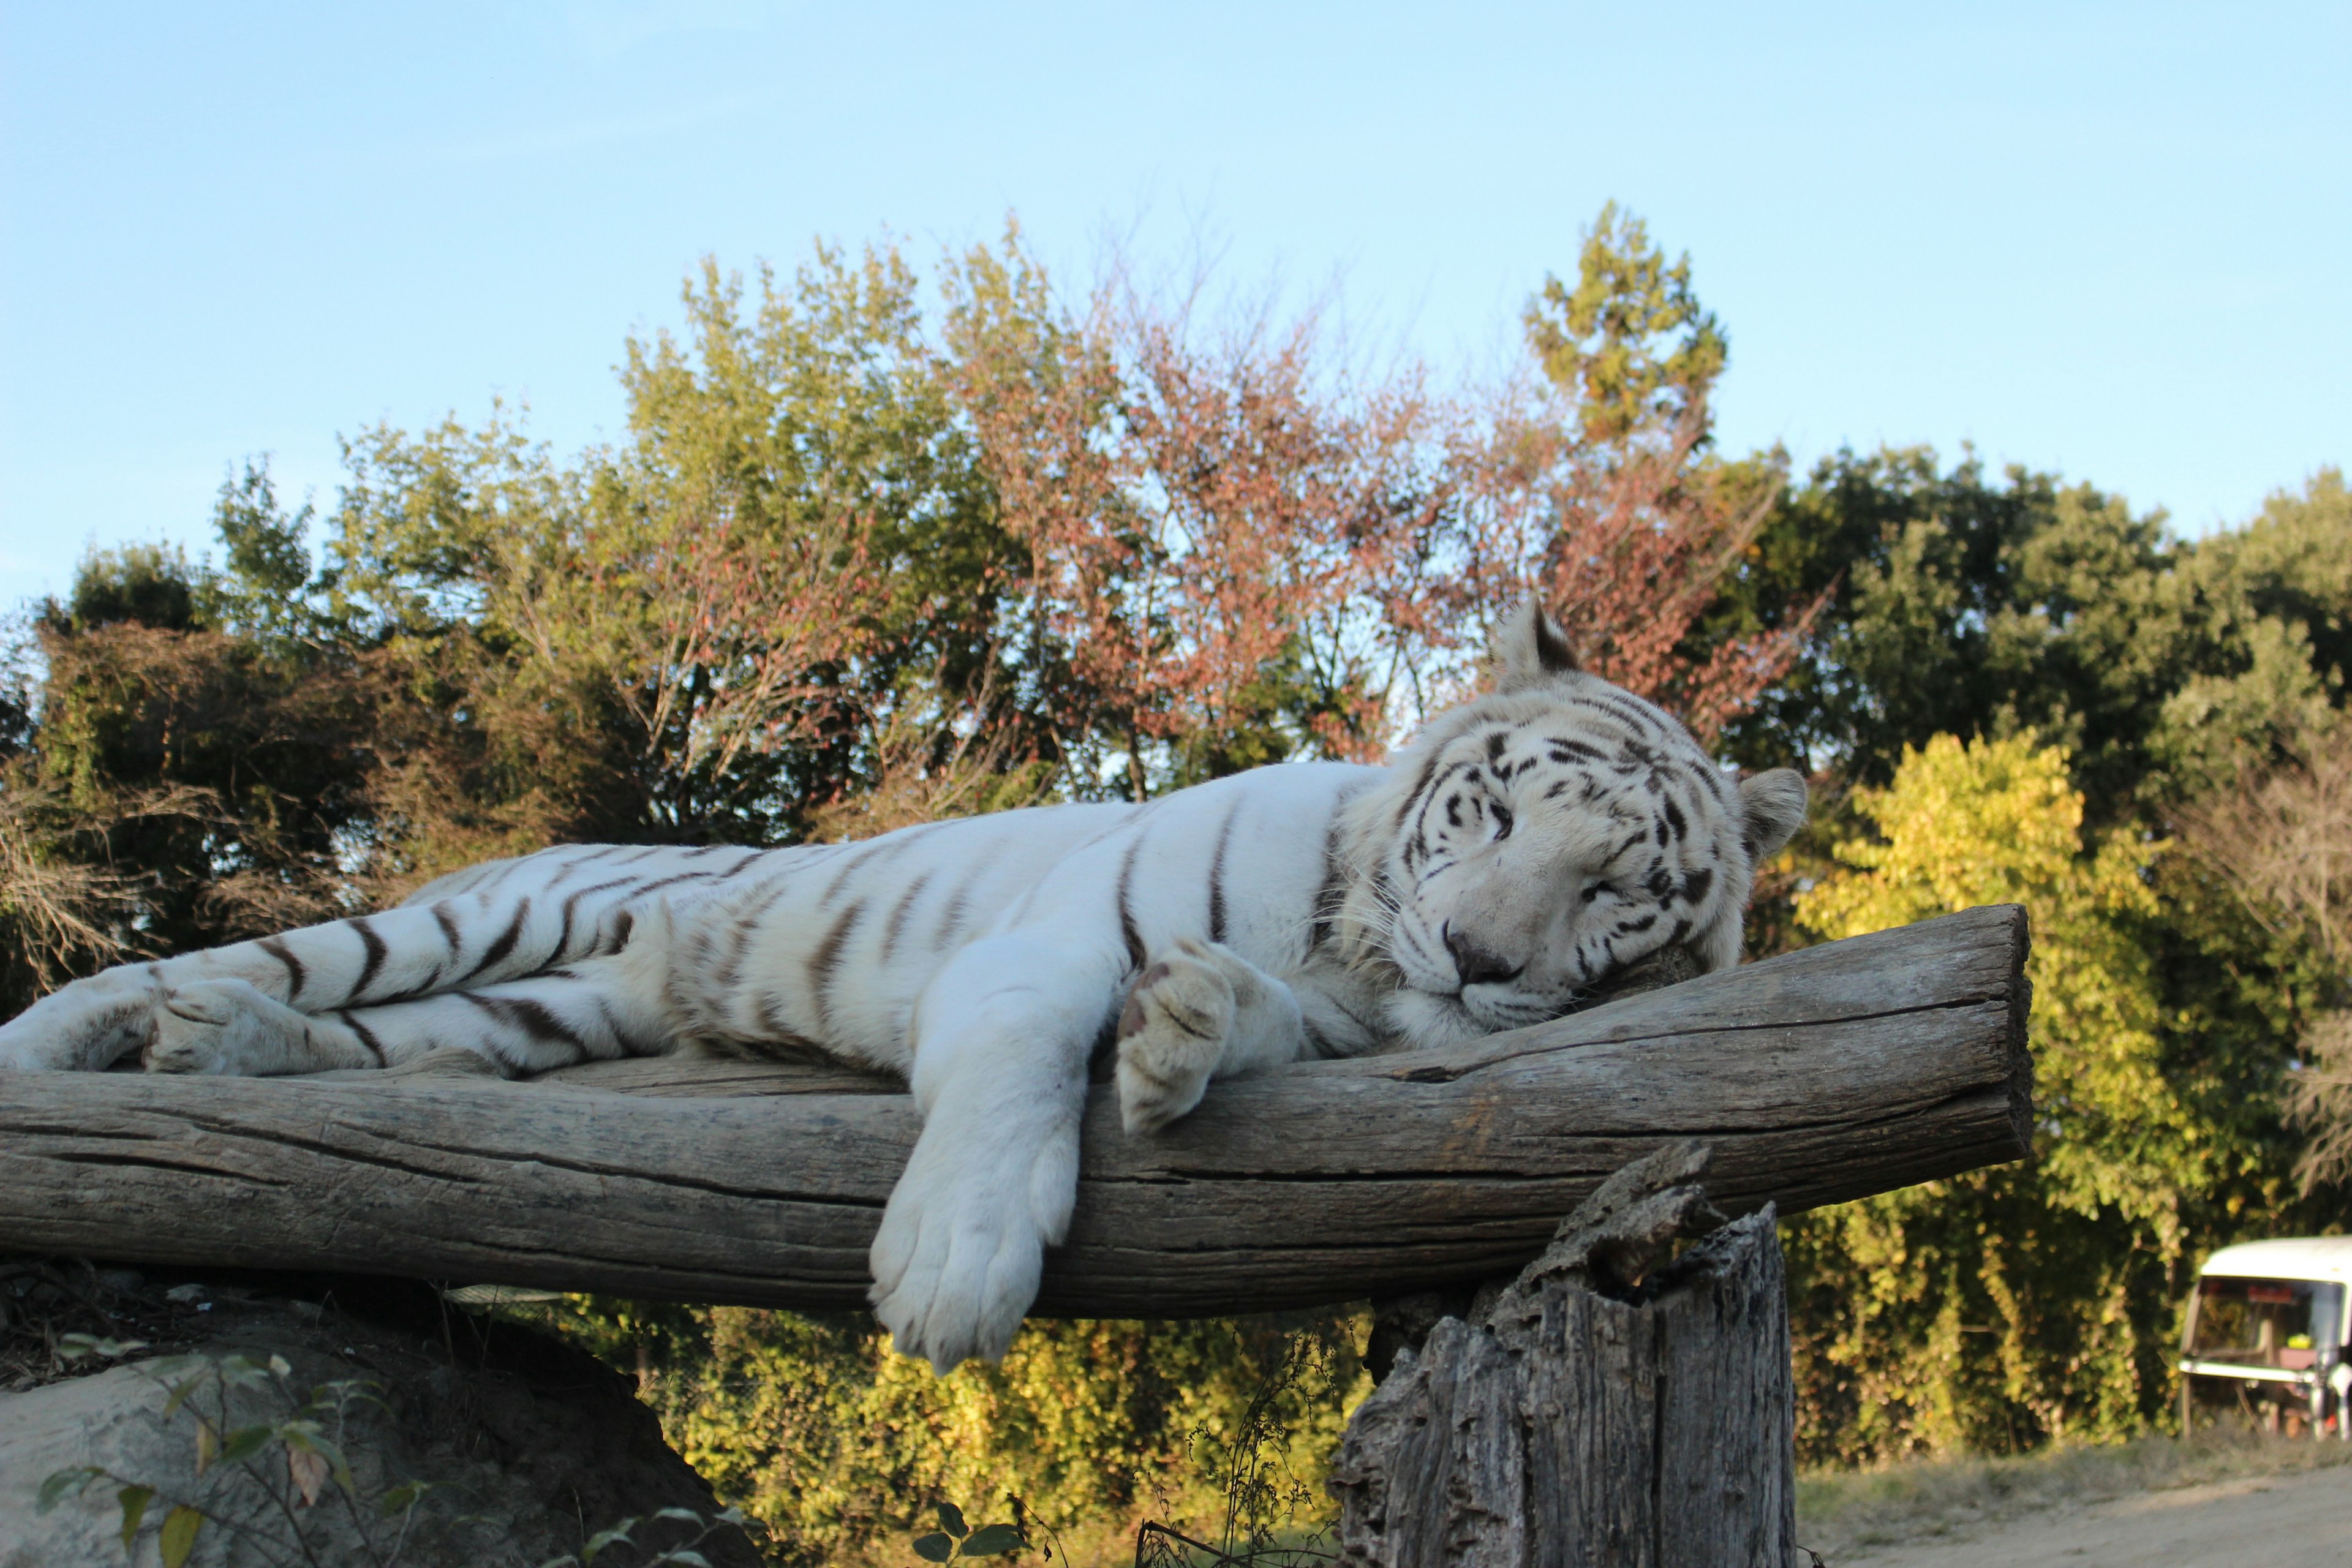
(2305, 1520)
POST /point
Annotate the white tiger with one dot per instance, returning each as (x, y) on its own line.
(1529, 844)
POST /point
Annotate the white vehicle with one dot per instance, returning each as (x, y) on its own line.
(2268, 1331)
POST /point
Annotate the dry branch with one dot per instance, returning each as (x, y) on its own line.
(1822, 1075)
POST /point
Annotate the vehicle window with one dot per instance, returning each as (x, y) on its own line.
(2286, 1323)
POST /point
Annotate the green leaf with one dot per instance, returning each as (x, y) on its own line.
(181, 1392)
(76, 1479)
(992, 1541)
(934, 1547)
(684, 1557)
(134, 1501)
(179, 1535)
(243, 1444)
(685, 1515)
(282, 1366)
(244, 1371)
(603, 1538)
(951, 1521)
(73, 1347)
(404, 1496)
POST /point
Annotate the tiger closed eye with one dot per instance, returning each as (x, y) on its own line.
(1594, 889)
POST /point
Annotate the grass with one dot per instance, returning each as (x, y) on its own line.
(1840, 1511)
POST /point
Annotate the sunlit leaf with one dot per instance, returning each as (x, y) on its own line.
(178, 1537)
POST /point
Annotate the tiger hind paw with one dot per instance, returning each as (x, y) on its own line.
(227, 1027)
(86, 1026)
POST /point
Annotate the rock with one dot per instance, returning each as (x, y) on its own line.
(529, 1445)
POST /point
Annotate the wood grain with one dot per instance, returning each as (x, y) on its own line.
(1821, 1076)
(1605, 1409)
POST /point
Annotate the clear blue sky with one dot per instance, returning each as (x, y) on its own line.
(2112, 240)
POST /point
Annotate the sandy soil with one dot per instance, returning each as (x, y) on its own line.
(2303, 1520)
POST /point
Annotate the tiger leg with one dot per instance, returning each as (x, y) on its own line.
(252, 994)
(1002, 1035)
(1198, 1012)
(597, 1008)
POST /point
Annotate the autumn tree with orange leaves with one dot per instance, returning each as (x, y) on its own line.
(1242, 549)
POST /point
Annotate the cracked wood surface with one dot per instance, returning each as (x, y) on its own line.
(1608, 1408)
(1821, 1076)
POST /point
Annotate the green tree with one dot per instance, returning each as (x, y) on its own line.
(1630, 341)
(1970, 607)
(220, 777)
(1996, 1309)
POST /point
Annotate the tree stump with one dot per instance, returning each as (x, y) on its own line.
(1609, 1405)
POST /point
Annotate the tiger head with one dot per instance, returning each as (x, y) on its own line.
(1535, 841)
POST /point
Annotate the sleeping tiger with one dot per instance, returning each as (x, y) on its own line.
(1528, 844)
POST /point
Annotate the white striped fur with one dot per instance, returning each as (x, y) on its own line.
(1527, 844)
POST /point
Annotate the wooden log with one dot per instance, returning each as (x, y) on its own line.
(1607, 1407)
(1821, 1076)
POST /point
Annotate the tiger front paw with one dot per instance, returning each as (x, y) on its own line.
(963, 1238)
(1171, 1036)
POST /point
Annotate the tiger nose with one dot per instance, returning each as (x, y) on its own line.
(1475, 965)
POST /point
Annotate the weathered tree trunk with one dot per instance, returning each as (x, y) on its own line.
(1825, 1075)
(1600, 1409)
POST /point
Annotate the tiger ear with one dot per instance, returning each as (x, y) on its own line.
(1529, 649)
(1771, 809)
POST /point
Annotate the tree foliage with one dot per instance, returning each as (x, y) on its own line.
(877, 545)
(1629, 340)
(818, 1431)
(2012, 1304)
(1980, 628)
